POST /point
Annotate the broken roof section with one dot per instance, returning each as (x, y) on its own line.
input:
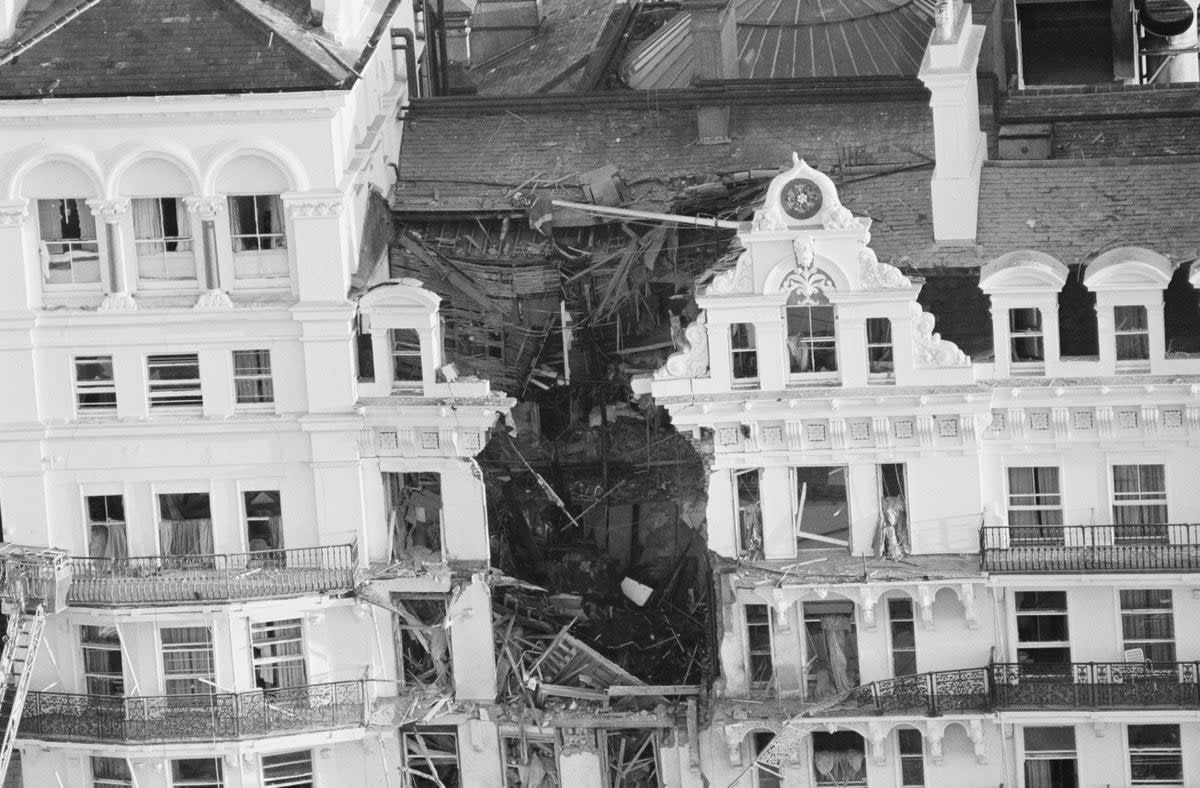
(795, 40)
(158, 47)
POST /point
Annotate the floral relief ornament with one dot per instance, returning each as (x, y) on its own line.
(805, 279)
(880, 276)
(931, 349)
(739, 279)
(692, 359)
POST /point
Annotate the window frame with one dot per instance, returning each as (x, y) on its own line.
(198, 783)
(96, 387)
(77, 249)
(881, 375)
(751, 654)
(1037, 334)
(277, 266)
(91, 523)
(164, 257)
(1040, 533)
(245, 491)
(1176, 752)
(1020, 645)
(399, 383)
(261, 377)
(743, 523)
(111, 782)
(288, 633)
(799, 534)
(206, 680)
(917, 756)
(749, 351)
(1132, 363)
(288, 781)
(176, 395)
(908, 622)
(1142, 498)
(115, 680)
(416, 733)
(809, 340)
(1127, 612)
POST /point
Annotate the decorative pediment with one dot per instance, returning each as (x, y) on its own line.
(692, 359)
(1023, 270)
(803, 197)
(1128, 268)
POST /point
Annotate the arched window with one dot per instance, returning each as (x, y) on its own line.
(811, 343)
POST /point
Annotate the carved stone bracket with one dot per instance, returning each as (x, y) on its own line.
(118, 302)
(314, 207)
(109, 211)
(206, 209)
(975, 734)
(213, 300)
(877, 739)
(692, 359)
(868, 598)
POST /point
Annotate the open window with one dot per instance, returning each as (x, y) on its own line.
(431, 758)
(414, 506)
(821, 507)
(892, 538)
(749, 513)
(264, 524)
(103, 662)
(106, 527)
(839, 760)
(288, 770)
(185, 529)
(95, 387)
(162, 234)
(188, 661)
(1026, 339)
(69, 249)
(422, 644)
(277, 654)
(632, 758)
(259, 239)
(530, 762)
(1050, 757)
(111, 772)
(760, 652)
(811, 343)
(765, 775)
(831, 648)
(1043, 638)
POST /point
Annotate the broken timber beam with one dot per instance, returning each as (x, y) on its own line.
(452, 275)
(629, 213)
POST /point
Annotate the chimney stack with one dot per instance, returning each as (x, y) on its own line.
(10, 12)
(960, 148)
(713, 29)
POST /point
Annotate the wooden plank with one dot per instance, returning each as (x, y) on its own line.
(455, 277)
(654, 689)
(561, 691)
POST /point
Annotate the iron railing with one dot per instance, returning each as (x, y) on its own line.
(59, 716)
(1090, 548)
(152, 580)
(1012, 686)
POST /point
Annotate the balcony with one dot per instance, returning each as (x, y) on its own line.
(58, 716)
(1093, 686)
(1090, 548)
(164, 580)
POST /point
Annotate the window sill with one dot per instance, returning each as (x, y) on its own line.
(161, 285)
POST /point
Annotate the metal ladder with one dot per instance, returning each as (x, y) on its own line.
(20, 646)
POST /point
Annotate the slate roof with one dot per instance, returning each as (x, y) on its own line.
(459, 156)
(554, 59)
(790, 39)
(155, 47)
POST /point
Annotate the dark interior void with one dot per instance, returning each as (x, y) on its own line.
(1077, 330)
(1181, 314)
(1066, 43)
(823, 516)
(962, 310)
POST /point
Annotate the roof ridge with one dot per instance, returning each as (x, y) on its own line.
(32, 40)
(317, 50)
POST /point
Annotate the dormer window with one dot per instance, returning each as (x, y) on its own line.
(1026, 340)
(743, 353)
(880, 363)
(812, 346)
(406, 358)
(69, 249)
(1132, 329)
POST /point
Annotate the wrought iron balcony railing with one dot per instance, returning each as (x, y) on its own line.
(166, 579)
(1031, 549)
(1012, 686)
(59, 716)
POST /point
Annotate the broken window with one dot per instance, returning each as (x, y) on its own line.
(414, 506)
(749, 513)
(406, 357)
(69, 250)
(632, 758)
(431, 758)
(812, 346)
(822, 513)
(765, 775)
(880, 362)
(759, 652)
(277, 654)
(839, 759)
(831, 648)
(892, 537)
(162, 236)
(264, 525)
(259, 240)
(530, 762)
(743, 352)
(422, 642)
(185, 528)
(106, 526)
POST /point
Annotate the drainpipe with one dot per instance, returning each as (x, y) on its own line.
(408, 43)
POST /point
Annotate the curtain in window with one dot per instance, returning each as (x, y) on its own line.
(1038, 774)
(1125, 479)
(186, 537)
(270, 220)
(833, 627)
(147, 219)
(108, 541)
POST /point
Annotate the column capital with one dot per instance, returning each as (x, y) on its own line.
(13, 213)
(109, 211)
(206, 208)
(313, 205)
